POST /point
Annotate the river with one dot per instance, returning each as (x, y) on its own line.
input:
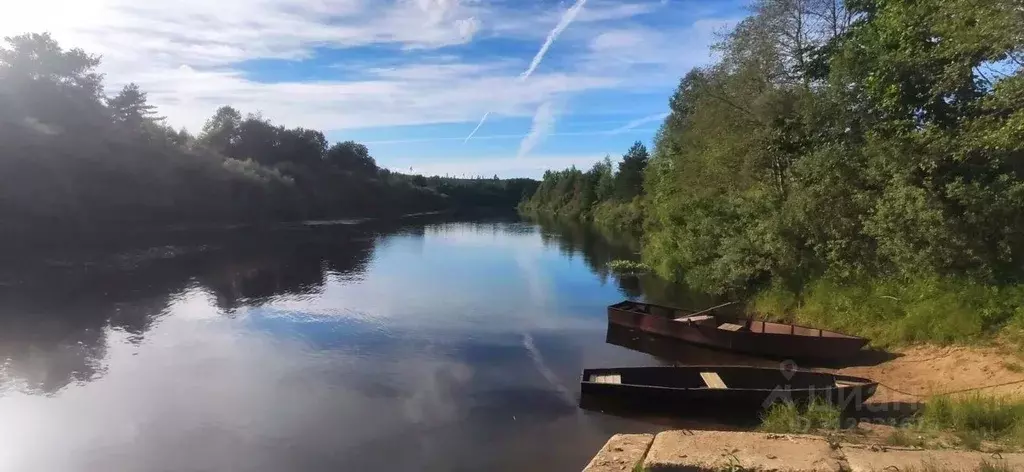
(425, 344)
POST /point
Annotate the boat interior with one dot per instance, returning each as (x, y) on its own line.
(718, 377)
(729, 323)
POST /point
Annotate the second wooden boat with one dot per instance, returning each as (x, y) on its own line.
(704, 389)
(762, 338)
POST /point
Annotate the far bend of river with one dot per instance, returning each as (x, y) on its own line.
(422, 345)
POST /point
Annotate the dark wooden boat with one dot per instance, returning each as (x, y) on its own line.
(718, 330)
(734, 389)
(672, 352)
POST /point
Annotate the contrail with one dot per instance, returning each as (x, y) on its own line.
(567, 18)
(478, 125)
(511, 136)
(641, 121)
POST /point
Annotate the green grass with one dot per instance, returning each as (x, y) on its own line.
(628, 267)
(972, 419)
(904, 438)
(894, 311)
(1013, 367)
(788, 417)
(983, 466)
(976, 418)
(999, 466)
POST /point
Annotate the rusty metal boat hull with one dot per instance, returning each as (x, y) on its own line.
(760, 338)
(700, 390)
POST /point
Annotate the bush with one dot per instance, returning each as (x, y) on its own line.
(788, 417)
(620, 216)
(892, 311)
(990, 418)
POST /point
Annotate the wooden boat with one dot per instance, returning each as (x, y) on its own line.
(736, 389)
(713, 329)
(671, 352)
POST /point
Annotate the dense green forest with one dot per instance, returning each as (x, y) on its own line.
(857, 164)
(74, 158)
(605, 195)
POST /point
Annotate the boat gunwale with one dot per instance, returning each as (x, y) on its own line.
(699, 327)
(861, 381)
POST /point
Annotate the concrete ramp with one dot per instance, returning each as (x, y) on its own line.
(749, 451)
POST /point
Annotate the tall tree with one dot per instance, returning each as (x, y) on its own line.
(221, 131)
(130, 107)
(353, 157)
(629, 180)
(39, 59)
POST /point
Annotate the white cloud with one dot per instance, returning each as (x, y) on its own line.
(543, 124)
(593, 132)
(191, 96)
(503, 166)
(652, 55)
(605, 11)
(201, 32)
(623, 40)
(563, 23)
(190, 55)
(598, 12)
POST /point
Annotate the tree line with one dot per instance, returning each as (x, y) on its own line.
(74, 158)
(607, 195)
(834, 142)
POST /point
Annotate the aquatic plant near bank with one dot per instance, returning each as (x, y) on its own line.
(621, 266)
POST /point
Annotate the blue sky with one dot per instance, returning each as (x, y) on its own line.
(410, 78)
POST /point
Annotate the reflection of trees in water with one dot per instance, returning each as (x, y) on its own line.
(252, 272)
(54, 315)
(57, 304)
(55, 309)
(599, 247)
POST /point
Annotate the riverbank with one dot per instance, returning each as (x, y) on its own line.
(919, 372)
(692, 450)
(899, 311)
(937, 408)
(892, 312)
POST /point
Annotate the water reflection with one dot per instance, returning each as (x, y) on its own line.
(55, 312)
(597, 247)
(421, 345)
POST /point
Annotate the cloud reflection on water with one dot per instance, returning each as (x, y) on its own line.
(445, 347)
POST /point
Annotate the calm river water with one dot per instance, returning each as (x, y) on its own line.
(424, 345)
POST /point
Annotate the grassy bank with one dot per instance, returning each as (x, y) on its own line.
(897, 311)
(994, 465)
(976, 418)
(790, 418)
(971, 420)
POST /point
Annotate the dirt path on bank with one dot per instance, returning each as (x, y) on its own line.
(921, 371)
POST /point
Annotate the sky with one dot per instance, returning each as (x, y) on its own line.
(533, 84)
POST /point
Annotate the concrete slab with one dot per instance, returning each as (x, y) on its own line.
(621, 453)
(867, 459)
(747, 451)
